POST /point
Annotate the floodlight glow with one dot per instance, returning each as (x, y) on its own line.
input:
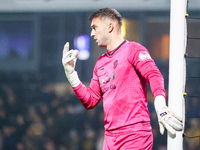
(82, 44)
(123, 29)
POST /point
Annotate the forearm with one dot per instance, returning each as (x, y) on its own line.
(87, 96)
(156, 82)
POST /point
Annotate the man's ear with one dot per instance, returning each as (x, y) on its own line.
(110, 27)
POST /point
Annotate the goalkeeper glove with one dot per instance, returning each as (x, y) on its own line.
(167, 118)
(69, 59)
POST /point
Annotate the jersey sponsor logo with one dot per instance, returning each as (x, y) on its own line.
(112, 86)
(144, 55)
(107, 79)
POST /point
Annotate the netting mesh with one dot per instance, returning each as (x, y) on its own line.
(192, 99)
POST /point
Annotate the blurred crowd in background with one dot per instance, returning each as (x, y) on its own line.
(36, 115)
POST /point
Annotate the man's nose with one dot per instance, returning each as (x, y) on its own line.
(92, 33)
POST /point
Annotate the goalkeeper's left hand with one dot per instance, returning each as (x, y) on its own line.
(166, 117)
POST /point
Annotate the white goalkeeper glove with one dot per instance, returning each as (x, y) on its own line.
(69, 59)
(167, 118)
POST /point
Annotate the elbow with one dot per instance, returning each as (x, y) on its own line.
(88, 107)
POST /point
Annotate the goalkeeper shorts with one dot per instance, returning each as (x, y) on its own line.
(137, 140)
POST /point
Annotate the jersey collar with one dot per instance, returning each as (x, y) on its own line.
(113, 51)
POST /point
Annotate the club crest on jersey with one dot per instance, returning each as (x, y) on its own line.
(144, 55)
(115, 64)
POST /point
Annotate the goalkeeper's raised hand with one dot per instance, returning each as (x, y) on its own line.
(69, 59)
(166, 118)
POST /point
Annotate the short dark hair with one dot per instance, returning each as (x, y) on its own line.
(109, 13)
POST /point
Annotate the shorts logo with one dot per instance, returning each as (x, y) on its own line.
(115, 64)
(144, 55)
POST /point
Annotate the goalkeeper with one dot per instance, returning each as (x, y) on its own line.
(120, 78)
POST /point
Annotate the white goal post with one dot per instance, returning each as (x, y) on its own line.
(177, 67)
